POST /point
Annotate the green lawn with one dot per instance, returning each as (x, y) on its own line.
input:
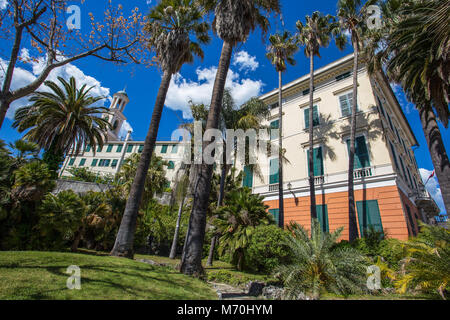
(42, 275)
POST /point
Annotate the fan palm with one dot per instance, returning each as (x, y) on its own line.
(416, 57)
(352, 18)
(280, 53)
(233, 22)
(63, 119)
(318, 265)
(25, 150)
(236, 221)
(314, 34)
(173, 25)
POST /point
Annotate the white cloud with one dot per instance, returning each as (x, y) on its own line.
(23, 77)
(182, 90)
(3, 4)
(433, 187)
(124, 130)
(245, 61)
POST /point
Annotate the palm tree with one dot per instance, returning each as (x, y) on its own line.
(317, 264)
(417, 58)
(236, 221)
(281, 49)
(62, 120)
(25, 151)
(314, 34)
(352, 14)
(171, 24)
(233, 22)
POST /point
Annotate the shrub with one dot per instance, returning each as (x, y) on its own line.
(267, 249)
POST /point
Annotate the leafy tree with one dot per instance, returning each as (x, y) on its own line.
(62, 121)
(281, 50)
(173, 26)
(318, 266)
(24, 151)
(237, 221)
(427, 262)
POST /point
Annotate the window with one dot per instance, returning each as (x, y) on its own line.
(305, 92)
(82, 162)
(109, 148)
(398, 136)
(171, 165)
(273, 105)
(94, 162)
(322, 216)
(248, 177)
(168, 185)
(343, 76)
(369, 216)
(274, 174)
(101, 163)
(71, 161)
(403, 167)
(394, 155)
(380, 104)
(317, 160)
(141, 147)
(390, 122)
(88, 148)
(346, 102)
(361, 153)
(276, 215)
(411, 221)
(99, 149)
(107, 162)
(129, 148)
(315, 117)
(174, 148)
(114, 163)
(164, 148)
(119, 148)
(274, 125)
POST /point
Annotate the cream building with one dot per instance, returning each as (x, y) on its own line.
(389, 192)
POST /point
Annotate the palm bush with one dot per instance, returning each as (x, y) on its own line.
(319, 266)
(237, 221)
(427, 264)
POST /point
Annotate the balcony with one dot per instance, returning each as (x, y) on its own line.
(362, 173)
(424, 201)
(273, 187)
(319, 180)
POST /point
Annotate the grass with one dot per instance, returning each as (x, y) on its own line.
(42, 275)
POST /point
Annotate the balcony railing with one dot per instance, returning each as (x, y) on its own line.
(273, 187)
(362, 173)
(319, 180)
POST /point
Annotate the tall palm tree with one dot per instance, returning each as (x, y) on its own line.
(314, 34)
(280, 53)
(233, 22)
(62, 120)
(417, 58)
(352, 18)
(173, 27)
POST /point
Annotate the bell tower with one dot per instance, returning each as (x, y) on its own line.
(115, 116)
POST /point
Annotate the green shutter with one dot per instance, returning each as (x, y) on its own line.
(317, 160)
(82, 162)
(174, 148)
(94, 162)
(171, 165)
(248, 177)
(88, 148)
(394, 155)
(109, 149)
(369, 215)
(99, 149)
(362, 159)
(322, 216)
(274, 125)
(274, 171)
(114, 163)
(130, 148)
(101, 162)
(345, 105)
(119, 148)
(276, 215)
(141, 147)
(107, 162)
(164, 148)
(71, 161)
(315, 117)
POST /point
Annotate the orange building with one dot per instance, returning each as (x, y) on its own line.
(389, 192)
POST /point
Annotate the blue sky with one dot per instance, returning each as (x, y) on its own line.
(251, 74)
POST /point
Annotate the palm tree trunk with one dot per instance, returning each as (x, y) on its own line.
(173, 250)
(211, 250)
(123, 247)
(280, 152)
(191, 263)
(77, 239)
(437, 151)
(352, 226)
(312, 191)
